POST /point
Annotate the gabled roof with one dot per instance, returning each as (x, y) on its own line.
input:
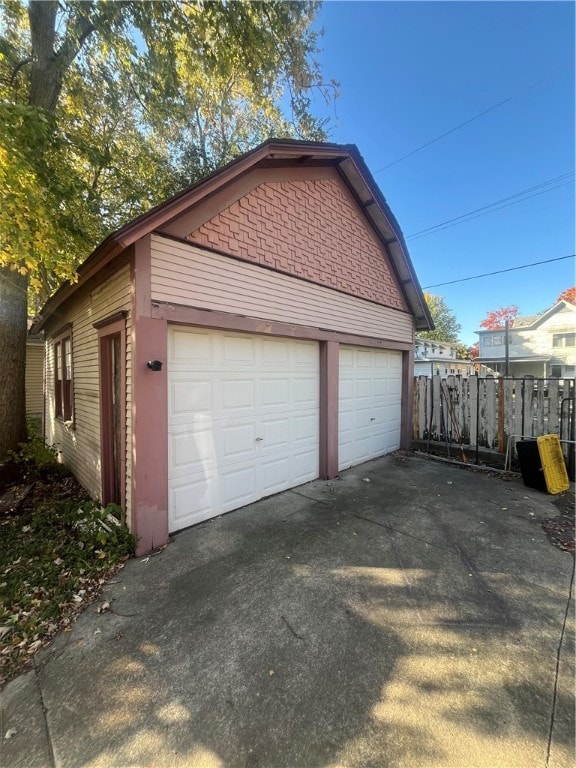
(348, 162)
(533, 321)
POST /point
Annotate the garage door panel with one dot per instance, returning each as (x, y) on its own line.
(238, 489)
(192, 500)
(275, 392)
(238, 442)
(239, 350)
(190, 396)
(276, 475)
(345, 389)
(275, 352)
(305, 354)
(381, 387)
(275, 432)
(363, 358)
(305, 429)
(243, 420)
(305, 391)
(305, 465)
(187, 347)
(238, 395)
(363, 389)
(191, 453)
(369, 404)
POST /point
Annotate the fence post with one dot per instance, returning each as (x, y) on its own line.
(473, 412)
(501, 447)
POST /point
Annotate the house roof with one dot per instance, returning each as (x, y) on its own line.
(531, 321)
(523, 359)
(353, 171)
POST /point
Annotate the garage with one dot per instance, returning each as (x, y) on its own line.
(265, 317)
(370, 398)
(243, 420)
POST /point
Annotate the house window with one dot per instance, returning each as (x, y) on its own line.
(564, 340)
(487, 341)
(497, 340)
(63, 374)
(556, 372)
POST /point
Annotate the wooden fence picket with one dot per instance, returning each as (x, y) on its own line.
(488, 411)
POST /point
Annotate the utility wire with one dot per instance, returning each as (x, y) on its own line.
(499, 208)
(461, 125)
(523, 194)
(499, 271)
(443, 135)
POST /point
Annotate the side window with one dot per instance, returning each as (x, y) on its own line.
(63, 393)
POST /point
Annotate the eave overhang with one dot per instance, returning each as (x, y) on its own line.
(351, 168)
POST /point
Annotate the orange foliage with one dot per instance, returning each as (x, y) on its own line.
(568, 295)
(495, 320)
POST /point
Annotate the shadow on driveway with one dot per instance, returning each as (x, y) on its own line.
(408, 614)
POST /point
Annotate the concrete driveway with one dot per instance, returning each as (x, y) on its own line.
(409, 614)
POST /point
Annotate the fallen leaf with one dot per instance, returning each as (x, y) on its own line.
(33, 647)
(9, 733)
(104, 607)
(145, 560)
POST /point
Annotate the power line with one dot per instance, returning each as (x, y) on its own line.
(507, 205)
(443, 135)
(523, 195)
(461, 125)
(499, 271)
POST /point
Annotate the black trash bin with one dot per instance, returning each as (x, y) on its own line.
(531, 464)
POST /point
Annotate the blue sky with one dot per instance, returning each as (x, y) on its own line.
(410, 71)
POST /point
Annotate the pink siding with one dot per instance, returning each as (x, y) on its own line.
(187, 275)
(310, 228)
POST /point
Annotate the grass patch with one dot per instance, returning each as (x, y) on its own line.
(56, 552)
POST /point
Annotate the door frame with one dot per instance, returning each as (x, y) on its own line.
(113, 473)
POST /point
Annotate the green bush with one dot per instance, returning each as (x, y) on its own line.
(37, 458)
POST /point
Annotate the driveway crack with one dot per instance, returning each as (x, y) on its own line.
(403, 533)
(291, 628)
(44, 716)
(557, 671)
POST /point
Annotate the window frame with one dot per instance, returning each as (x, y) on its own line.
(63, 374)
(563, 340)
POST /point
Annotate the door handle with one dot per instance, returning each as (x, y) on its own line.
(373, 418)
(259, 439)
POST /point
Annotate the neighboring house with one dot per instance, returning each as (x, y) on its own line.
(543, 346)
(433, 358)
(254, 332)
(35, 377)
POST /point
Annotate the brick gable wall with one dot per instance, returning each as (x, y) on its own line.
(311, 229)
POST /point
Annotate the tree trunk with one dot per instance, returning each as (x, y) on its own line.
(13, 327)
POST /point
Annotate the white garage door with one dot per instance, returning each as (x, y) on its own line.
(243, 420)
(370, 394)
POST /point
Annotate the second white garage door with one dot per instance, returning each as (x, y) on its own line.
(243, 420)
(370, 397)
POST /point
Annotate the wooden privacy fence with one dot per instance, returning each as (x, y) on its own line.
(484, 412)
